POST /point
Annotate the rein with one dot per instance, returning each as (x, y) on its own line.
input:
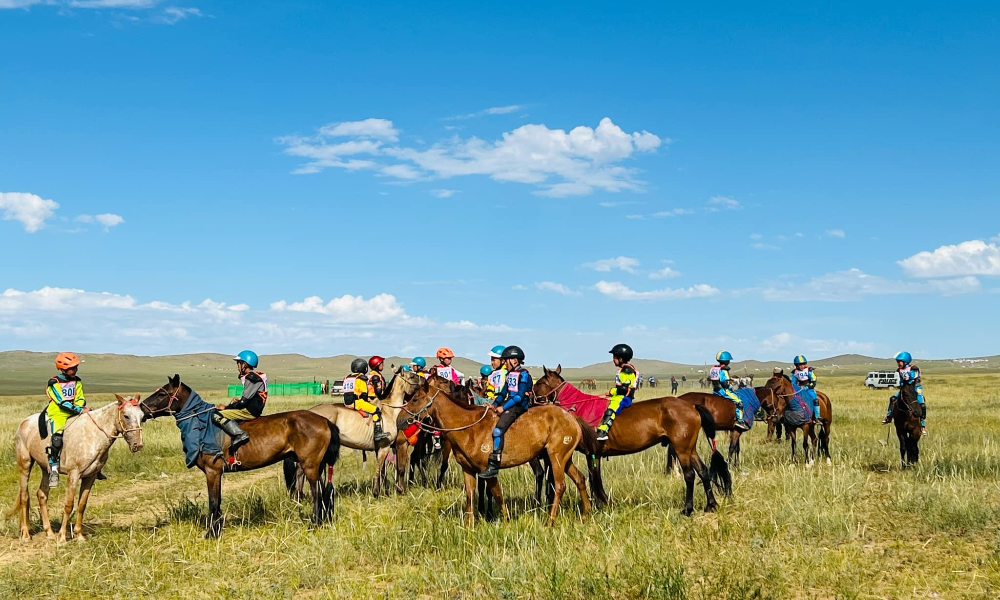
(119, 422)
(419, 415)
(541, 399)
(170, 401)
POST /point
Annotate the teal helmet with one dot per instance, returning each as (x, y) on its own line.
(905, 357)
(724, 356)
(420, 362)
(248, 357)
(799, 360)
(485, 370)
(497, 351)
(406, 367)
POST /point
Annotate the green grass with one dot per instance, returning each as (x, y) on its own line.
(860, 528)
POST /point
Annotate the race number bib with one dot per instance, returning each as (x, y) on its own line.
(715, 373)
(445, 372)
(802, 375)
(68, 390)
(349, 385)
(512, 381)
(496, 379)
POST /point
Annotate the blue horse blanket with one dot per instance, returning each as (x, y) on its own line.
(799, 409)
(750, 404)
(198, 433)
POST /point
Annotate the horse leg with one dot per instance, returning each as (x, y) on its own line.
(734, 448)
(539, 471)
(688, 471)
(43, 506)
(380, 457)
(23, 497)
(72, 479)
(213, 479)
(445, 455)
(670, 459)
(402, 462)
(706, 480)
(482, 506)
(581, 486)
(497, 494)
(558, 471)
(85, 484)
(470, 491)
(791, 432)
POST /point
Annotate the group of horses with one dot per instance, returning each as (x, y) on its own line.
(308, 442)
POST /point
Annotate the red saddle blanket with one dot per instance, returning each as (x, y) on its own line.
(586, 406)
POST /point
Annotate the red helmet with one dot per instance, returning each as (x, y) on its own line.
(375, 361)
(67, 360)
(445, 353)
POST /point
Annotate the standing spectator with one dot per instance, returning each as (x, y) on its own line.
(673, 384)
(639, 382)
(684, 380)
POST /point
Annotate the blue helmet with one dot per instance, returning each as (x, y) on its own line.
(420, 362)
(905, 357)
(248, 357)
(485, 370)
(406, 367)
(723, 356)
(799, 360)
(497, 351)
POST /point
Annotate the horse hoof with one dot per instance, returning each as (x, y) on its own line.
(710, 507)
(25, 537)
(828, 461)
(687, 512)
(80, 538)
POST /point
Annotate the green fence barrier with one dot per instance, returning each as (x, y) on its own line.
(306, 388)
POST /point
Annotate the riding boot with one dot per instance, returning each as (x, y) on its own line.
(740, 423)
(54, 450)
(493, 466)
(237, 436)
(437, 439)
(888, 412)
(380, 435)
(602, 429)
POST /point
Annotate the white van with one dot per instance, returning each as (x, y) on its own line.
(882, 379)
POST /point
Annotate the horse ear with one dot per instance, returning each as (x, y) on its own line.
(175, 381)
(120, 399)
(559, 369)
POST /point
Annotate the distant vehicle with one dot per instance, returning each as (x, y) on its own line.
(882, 379)
(337, 389)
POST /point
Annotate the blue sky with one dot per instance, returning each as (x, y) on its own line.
(392, 177)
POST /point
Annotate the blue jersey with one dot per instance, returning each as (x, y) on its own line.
(516, 390)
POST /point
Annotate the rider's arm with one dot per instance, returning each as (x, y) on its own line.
(501, 395)
(55, 395)
(626, 382)
(253, 397)
(811, 384)
(524, 386)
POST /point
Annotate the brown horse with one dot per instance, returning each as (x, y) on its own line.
(906, 418)
(781, 385)
(542, 429)
(588, 384)
(724, 412)
(651, 422)
(310, 438)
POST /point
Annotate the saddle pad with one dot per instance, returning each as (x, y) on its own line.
(588, 407)
(750, 404)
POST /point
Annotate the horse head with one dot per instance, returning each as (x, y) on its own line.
(130, 420)
(548, 384)
(781, 386)
(166, 400)
(418, 404)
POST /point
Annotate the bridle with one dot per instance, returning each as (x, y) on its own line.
(120, 426)
(418, 416)
(170, 401)
(543, 398)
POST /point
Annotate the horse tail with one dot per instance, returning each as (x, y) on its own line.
(718, 469)
(333, 448)
(43, 429)
(17, 506)
(290, 467)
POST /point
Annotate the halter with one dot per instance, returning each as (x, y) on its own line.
(119, 422)
(170, 400)
(419, 415)
(555, 390)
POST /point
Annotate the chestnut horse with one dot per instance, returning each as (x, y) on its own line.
(651, 422)
(906, 418)
(724, 412)
(310, 438)
(542, 429)
(781, 385)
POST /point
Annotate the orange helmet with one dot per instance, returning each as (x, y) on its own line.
(445, 353)
(67, 360)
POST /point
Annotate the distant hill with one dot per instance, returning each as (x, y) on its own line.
(23, 372)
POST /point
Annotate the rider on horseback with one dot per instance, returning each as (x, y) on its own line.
(65, 392)
(512, 401)
(356, 395)
(624, 390)
(444, 368)
(909, 374)
(719, 376)
(419, 366)
(248, 406)
(804, 380)
(376, 382)
(498, 373)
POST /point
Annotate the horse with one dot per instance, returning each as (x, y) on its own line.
(724, 412)
(309, 437)
(358, 432)
(645, 424)
(87, 439)
(543, 429)
(588, 384)
(781, 385)
(906, 418)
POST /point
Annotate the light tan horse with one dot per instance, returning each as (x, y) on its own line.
(358, 432)
(87, 439)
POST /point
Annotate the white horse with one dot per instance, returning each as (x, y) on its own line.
(86, 441)
(358, 432)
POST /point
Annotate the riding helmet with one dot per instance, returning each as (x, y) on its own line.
(485, 370)
(359, 365)
(67, 360)
(799, 360)
(375, 361)
(622, 351)
(512, 352)
(419, 361)
(724, 356)
(248, 357)
(905, 357)
(496, 352)
(445, 353)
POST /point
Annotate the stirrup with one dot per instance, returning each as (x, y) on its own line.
(742, 425)
(602, 435)
(54, 476)
(887, 420)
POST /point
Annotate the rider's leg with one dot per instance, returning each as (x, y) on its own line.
(503, 423)
(614, 407)
(740, 422)
(226, 421)
(57, 422)
(923, 408)
(376, 413)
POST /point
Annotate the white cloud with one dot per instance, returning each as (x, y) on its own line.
(619, 291)
(349, 309)
(854, 285)
(493, 110)
(108, 220)
(755, 236)
(443, 193)
(556, 162)
(717, 203)
(28, 209)
(763, 246)
(20, 3)
(664, 273)
(663, 214)
(551, 286)
(837, 233)
(974, 257)
(789, 343)
(113, 3)
(175, 14)
(622, 263)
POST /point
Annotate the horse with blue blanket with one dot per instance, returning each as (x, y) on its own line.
(310, 438)
(724, 412)
(796, 412)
